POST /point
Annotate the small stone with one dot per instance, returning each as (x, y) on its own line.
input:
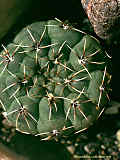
(118, 135)
(76, 144)
(103, 147)
(62, 141)
(99, 136)
(69, 142)
(71, 149)
(86, 149)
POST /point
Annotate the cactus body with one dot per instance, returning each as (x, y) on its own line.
(56, 84)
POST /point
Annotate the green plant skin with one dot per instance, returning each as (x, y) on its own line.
(91, 47)
(32, 108)
(4, 96)
(15, 64)
(57, 75)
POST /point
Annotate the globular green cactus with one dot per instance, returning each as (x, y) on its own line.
(53, 80)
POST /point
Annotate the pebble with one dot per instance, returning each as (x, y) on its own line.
(118, 135)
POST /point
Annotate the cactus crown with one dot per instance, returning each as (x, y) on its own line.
(53, 80)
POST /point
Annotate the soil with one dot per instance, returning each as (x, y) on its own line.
(99, 140)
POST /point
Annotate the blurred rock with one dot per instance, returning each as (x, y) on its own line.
(104, 16)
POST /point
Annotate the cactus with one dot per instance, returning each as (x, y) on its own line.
(54, 80)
